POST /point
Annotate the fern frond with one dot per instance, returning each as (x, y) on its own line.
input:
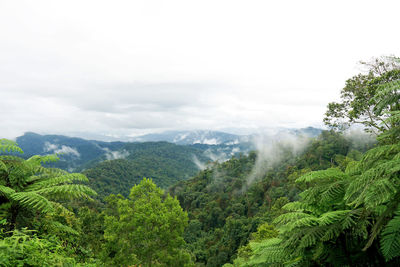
(43, 159)
(52, 181)
(32, 200)
(10, 159)
(332, 217)
(268, 252)
(379, 192)
(334, 192)
(3, 166)
(353, 168)
(291, 216)
(390, 238)
(311, 236)
(387, 168)
(330, 174)
(303, 222)
(331, 233)
(61, 208)
(62, 228)
(6, 191)
(67, 191)
(9, 146)
(299, 206)
(372, 188)
(294, 262)
(372, 156)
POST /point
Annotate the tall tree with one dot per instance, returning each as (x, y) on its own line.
(358, 98)
(145, 229)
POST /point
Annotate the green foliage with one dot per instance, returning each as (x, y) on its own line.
(81, 151)
(91, 224)
(388, 105)
(164, 163)
(329, 206)
(145, 229)
(361, 98)
(390, 238)
(22, 248)
(224, 211)
(355, 210)
(26, 187)
(264, 231)
(9, 146)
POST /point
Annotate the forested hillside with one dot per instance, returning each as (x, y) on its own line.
(333, 200)
(73, 152)
(163, 162)
(224, 209)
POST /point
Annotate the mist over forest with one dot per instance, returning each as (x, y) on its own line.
(215, 133)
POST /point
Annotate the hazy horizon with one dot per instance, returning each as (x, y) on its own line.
(109, 138)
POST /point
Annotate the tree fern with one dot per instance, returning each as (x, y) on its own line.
(66, 191)
(9, 146)
(46, 182)
(3, 166)
(27, 185)
(390, 238)
(30, 200)
(328, 174)
(332, 217)
(268, 253)
(379, 179)
(334, 192)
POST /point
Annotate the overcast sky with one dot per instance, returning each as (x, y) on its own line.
(132, 67)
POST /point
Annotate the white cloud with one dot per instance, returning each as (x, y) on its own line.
(180, 64)
(271, 150)
(198, 163)
(57, 149)
(111, 155)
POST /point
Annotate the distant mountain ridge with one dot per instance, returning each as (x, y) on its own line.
(114, 167)
(191, 137)
(206, 137)
(77, 153)
(73, 152)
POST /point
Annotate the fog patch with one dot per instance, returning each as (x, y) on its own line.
(359, 139)
(271, 150)
(231, 143)
(180, 137)
(211, 141)
(217, 181)
(57, 149)
(235, 150)
(216, 156)
(200, 165)
(111, 155)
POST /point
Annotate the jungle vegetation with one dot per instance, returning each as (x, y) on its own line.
(334, 203)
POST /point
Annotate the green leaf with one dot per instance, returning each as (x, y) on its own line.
(390, 238)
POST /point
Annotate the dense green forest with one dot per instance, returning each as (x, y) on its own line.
(163, 162)
(334, 202)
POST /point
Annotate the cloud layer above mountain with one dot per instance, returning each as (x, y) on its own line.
(133, 67)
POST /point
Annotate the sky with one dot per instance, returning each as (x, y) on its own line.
(125, 68)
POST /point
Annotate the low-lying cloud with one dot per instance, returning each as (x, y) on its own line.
(271, 150)
(61, 149)
(198, 163)
(111, 155)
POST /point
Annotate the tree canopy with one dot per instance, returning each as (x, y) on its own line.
(361, 98)
(145, 229)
